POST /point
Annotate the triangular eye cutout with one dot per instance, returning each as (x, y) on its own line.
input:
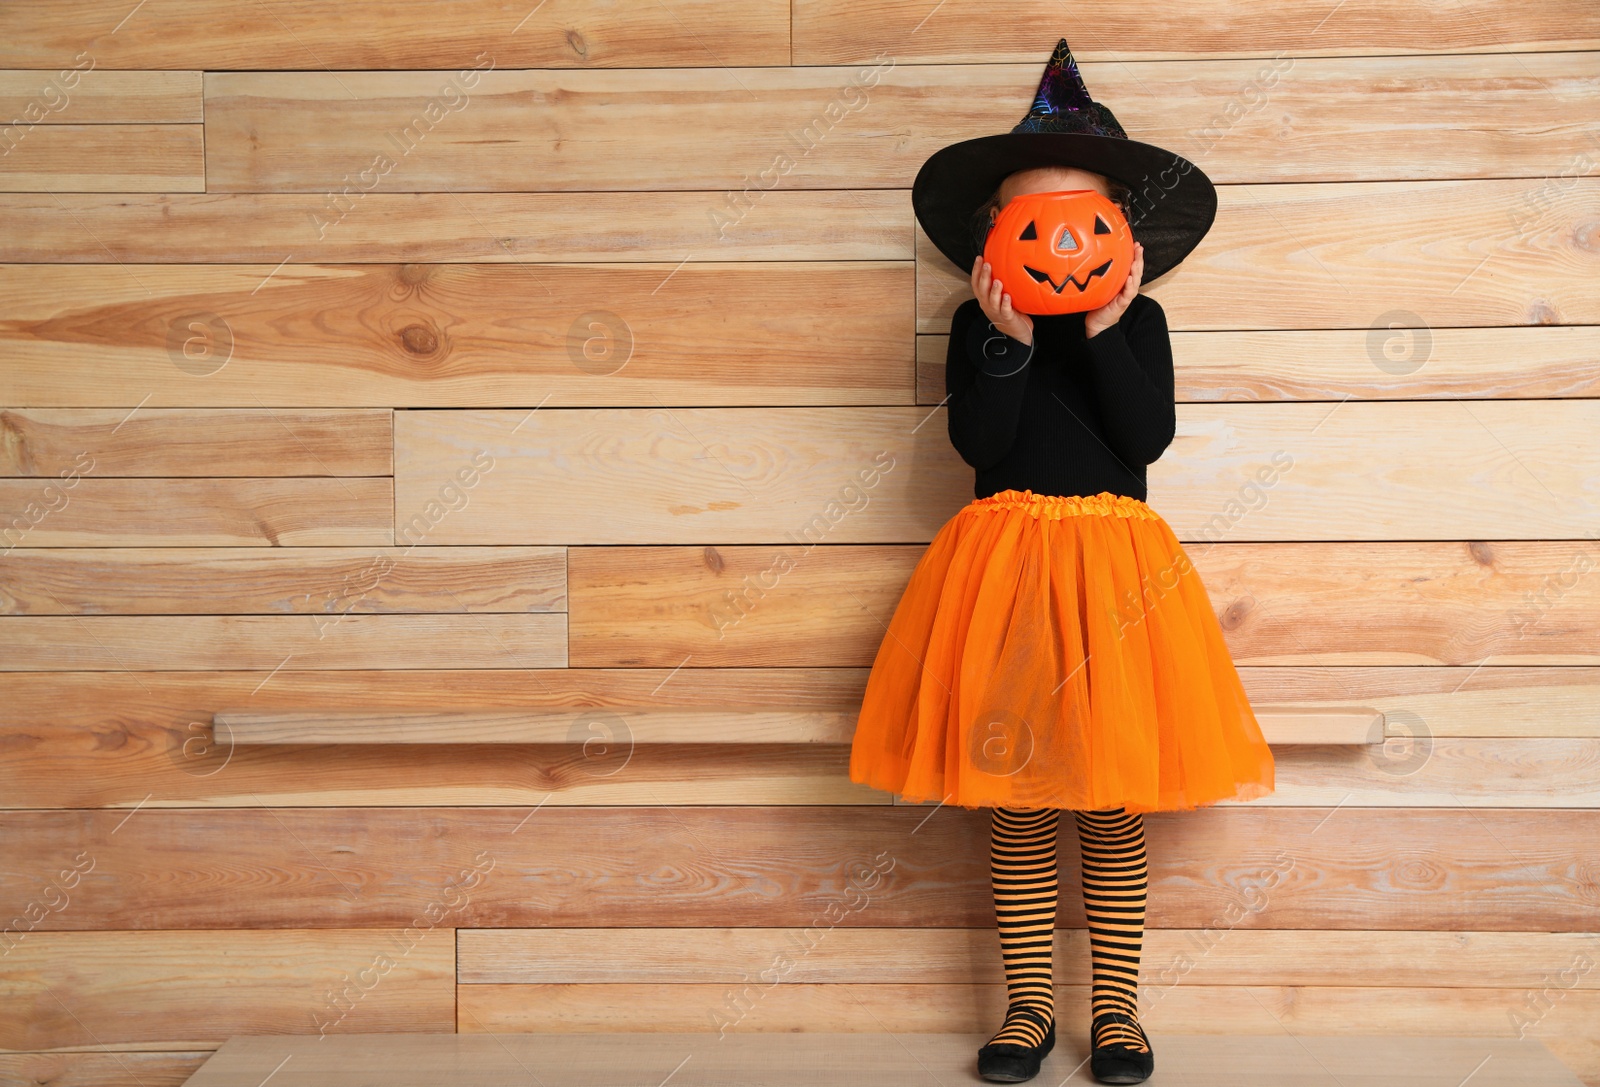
(1028, 233)
(1101, 226)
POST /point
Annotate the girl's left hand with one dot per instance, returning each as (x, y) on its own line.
(1107, 315)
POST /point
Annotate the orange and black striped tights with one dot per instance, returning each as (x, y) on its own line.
(1022, 864)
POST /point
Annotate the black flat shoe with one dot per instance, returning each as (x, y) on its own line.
(1009, 1062)
(1120, 1063)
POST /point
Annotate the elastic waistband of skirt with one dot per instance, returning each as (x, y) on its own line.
(1056, 506)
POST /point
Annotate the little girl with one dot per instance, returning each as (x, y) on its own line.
(1054, 648)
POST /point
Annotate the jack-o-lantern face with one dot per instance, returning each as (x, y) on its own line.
(1060, 252)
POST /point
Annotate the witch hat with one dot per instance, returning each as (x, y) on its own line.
(1172, 205)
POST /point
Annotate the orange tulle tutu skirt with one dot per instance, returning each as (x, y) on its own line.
(1058, 651)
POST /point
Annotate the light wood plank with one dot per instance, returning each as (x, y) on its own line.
(1468, 604)
(527, 228)
(189, 642)
(363, 335)
(371, 34)
(1368, 255)
(99, 739)
(79, 511)
(125, 1069)
(1417, 470)
(702, 1057)
(698, 725)
(199, 987)
(1344, 118)
(209, 442)
(90, 739)
(966, 31)
(1439, 869)
(1367, 602)
(325, 583)
(1308, 364)
(802, 475)
(103, 158)
(1408, 769)
(795, 477)
(1225, 955)
(1545, 361)
(83, 93)
(1229, 1014)
(591, 749)
(1487, 700)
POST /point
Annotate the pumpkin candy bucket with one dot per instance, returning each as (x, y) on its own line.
(1060, 252)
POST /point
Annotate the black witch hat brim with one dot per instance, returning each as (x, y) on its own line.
(1172, 204)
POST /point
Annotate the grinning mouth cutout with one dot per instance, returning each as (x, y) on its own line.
(1041, 277)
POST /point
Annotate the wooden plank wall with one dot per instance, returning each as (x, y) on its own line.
(376, 356)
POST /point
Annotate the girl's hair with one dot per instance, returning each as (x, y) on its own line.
(1121, 194)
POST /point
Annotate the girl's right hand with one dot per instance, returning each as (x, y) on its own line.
(996, 303)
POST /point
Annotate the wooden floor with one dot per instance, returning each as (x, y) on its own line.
(748, 1059)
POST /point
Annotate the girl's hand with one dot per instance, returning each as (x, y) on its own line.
(996, 303)
(1108, 314)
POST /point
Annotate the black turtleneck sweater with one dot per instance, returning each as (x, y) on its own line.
(1067, 414)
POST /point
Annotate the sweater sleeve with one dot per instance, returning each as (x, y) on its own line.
(1134, 384)
(985, 374)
